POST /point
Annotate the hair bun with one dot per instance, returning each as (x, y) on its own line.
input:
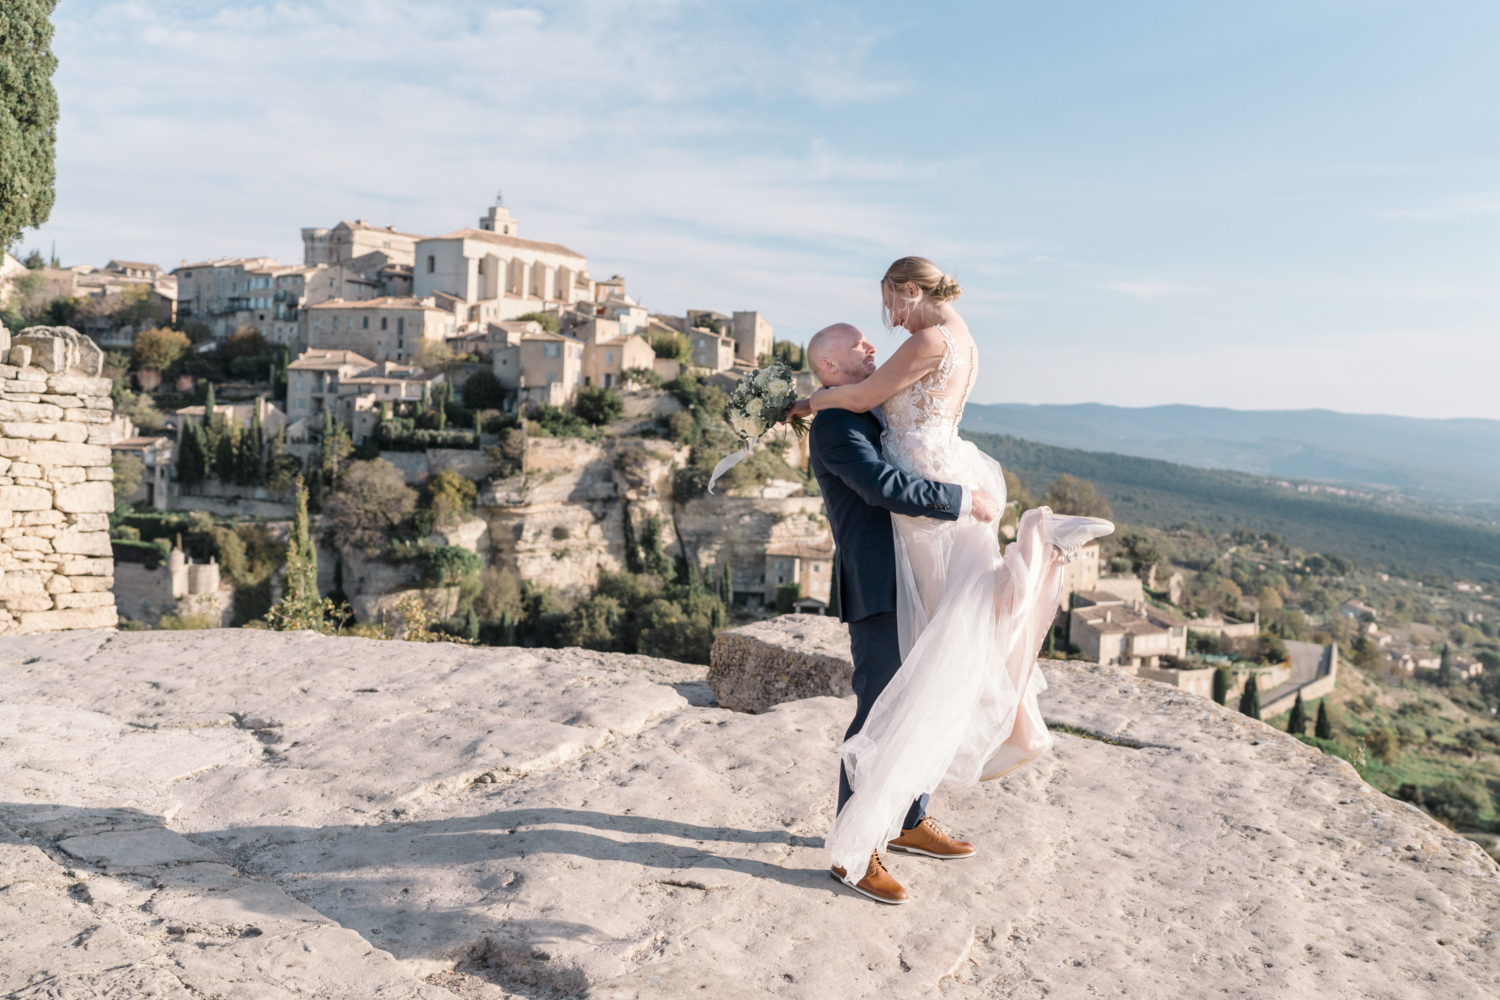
(946, 289)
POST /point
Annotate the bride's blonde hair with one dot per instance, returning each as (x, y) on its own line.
(930, 280)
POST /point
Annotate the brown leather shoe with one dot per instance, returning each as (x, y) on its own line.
(877, 883)
(930, 841)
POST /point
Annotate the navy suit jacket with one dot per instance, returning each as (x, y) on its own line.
(860, 491)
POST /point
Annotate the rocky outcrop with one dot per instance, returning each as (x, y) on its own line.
(242, 813)
(56, 486)
(561, 524)
(787, 658)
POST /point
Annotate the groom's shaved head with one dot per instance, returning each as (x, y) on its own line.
(840, 355)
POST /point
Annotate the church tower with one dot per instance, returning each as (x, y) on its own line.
(498, 220)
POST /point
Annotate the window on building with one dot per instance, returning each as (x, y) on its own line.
(335, 322)
(382, 322)
(400, 325)
(366, 324)
(609, 357)
(552, 349)
(431, 263)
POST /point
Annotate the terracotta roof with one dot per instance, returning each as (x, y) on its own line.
(318, 359)
(385, 302)
(134, 263)
(486, 236)
(803, 550)
(363, 225)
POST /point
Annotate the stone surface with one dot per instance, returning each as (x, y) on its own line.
(356, 818)
(782, 659)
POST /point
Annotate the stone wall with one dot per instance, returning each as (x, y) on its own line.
(56, 485)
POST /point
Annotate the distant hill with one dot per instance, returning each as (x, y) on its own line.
(1439, 458)
(1411, 538)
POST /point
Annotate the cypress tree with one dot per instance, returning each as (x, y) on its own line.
(1250, 699)
(326, 431)
(471, 625)
(227, 454)
(1323, 729)
(632, 550)
(252, 444)
(726, 586)
(192, 463)
(507, 629)
(28, 118)
(1221, 685)
(208, 409)
(692, 570)
(478, 428)
(301, 607)
(1297, 724)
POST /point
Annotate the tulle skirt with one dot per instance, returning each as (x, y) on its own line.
(963, 706)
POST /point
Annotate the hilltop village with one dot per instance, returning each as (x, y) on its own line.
(496, 447)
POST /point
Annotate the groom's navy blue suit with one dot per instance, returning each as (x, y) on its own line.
(860, 491)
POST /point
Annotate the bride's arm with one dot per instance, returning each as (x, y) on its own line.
(919, 356)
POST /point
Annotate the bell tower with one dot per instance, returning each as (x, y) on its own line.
(498, 220)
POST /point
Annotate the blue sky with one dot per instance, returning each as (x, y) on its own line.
(1262, 206)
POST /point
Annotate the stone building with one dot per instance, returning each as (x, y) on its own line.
(753, 336)
(348, 241)
(385, 329)
(357, 389)
(1115, 633)
(1081, 574)
(56, 490)
(710, 350)
(551, 368)
(608, 349)
(226, 294)
(807, 564)
(155, 452)
(496, 274)
(180, 587)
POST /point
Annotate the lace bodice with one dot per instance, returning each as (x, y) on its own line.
(921, 434)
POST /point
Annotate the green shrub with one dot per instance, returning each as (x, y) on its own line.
(642, 376)
(482, 391)
(787, 594)
(598, 405)
(547, 320)
(447, 565)
(688, 484)
(554, 421)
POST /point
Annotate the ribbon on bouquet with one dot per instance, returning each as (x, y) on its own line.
(730, 461)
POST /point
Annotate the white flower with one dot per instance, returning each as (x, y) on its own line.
(754, 406)
(779, 387)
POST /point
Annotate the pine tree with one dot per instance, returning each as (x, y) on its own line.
(1250, 699)
(1297, 724)
(1323, 729)
(632, 550)
(1221, 685)
(28, 117)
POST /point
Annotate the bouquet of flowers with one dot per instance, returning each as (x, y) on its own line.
(759, 402)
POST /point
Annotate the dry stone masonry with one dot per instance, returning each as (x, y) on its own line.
(56, 486)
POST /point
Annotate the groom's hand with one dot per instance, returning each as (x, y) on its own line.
(984, 506)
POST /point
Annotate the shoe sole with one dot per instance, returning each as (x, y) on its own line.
(868, 895)
(929, 854)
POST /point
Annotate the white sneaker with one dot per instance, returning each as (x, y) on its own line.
(1070, 534)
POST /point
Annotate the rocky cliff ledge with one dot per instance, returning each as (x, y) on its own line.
(251, 814)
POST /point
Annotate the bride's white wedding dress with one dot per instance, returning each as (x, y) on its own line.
(963, 706)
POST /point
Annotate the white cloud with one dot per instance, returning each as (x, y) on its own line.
(1456, 208)
(1145, 289)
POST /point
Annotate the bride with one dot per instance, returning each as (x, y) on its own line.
(963, 706)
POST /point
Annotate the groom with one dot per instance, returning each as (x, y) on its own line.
(861, 491)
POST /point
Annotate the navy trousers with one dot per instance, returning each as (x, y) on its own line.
(876, 647)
